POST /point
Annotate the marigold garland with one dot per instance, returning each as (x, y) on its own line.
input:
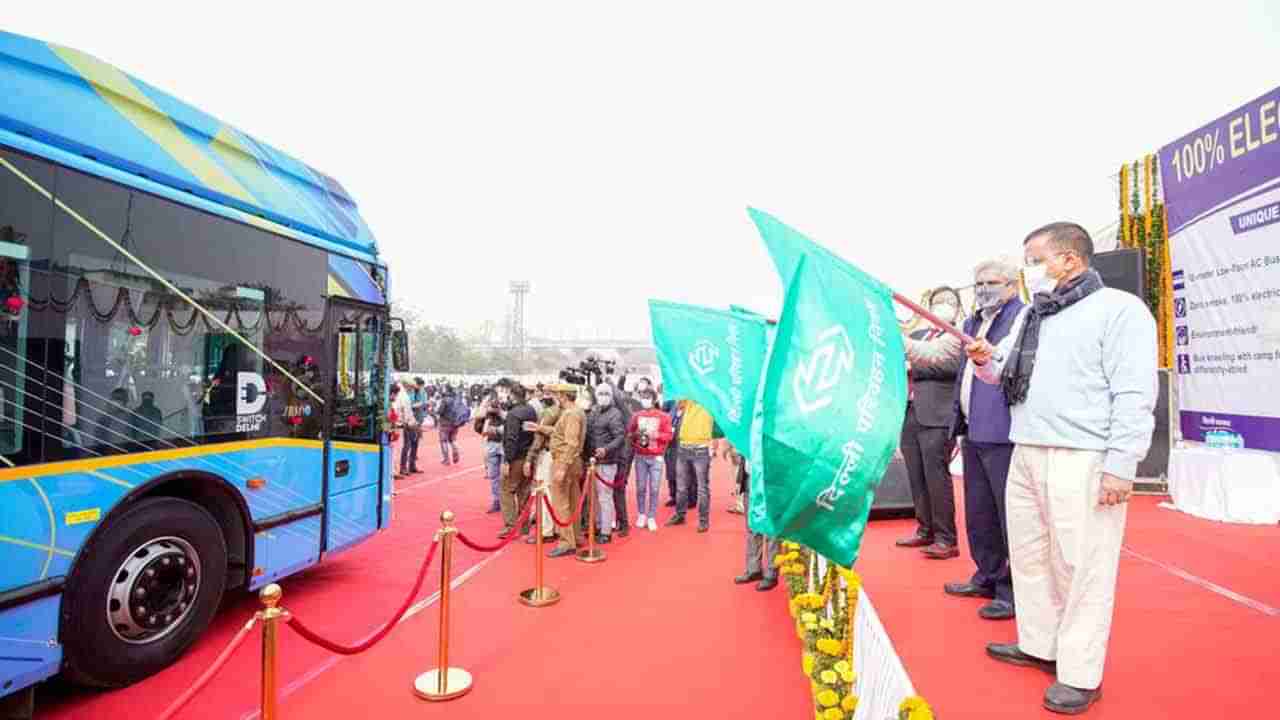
(915, 708)
(824, 617)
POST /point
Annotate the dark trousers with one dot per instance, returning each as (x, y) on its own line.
(927, 452)
(694, 482)
(672, 463)
(986, 470)
(409, 449)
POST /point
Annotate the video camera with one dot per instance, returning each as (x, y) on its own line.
(589, 372)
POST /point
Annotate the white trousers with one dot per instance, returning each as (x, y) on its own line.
(1064, 551)
(542, 474)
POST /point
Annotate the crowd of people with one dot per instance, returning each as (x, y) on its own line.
(1054, 401)
(554, 433)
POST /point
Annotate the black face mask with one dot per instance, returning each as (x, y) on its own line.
(548, 402)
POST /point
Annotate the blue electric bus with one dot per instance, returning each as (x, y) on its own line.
(194, 356)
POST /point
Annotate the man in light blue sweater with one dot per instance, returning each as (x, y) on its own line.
(1078, 370)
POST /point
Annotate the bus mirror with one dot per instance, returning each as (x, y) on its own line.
(400, 351)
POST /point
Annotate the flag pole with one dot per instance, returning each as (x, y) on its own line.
(936, 321)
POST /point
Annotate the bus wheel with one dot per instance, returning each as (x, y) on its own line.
(142, 592)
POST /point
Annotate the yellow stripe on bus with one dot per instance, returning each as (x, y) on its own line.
(358, 447)
(92, 464)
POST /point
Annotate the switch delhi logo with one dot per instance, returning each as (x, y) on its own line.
(703, 357)
(819, 373)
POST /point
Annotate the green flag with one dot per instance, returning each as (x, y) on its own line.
(832, 402)
(713, 357)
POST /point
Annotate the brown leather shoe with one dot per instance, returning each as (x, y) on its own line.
(915, 541)
(938, 551)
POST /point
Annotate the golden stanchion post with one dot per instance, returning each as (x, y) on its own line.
(539, 595)
(591, 554)
(444, 682)
(270, 614)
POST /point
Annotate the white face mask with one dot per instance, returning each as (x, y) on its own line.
(946, 311)
(1037, 279)
(646, 403)
(604, 399)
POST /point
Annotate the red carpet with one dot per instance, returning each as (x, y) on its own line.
(659, 627)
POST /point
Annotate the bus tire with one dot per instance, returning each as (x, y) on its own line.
(129, 608)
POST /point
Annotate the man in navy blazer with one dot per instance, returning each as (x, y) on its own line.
(982, 417)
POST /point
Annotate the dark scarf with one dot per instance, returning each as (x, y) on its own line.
(1016, 378)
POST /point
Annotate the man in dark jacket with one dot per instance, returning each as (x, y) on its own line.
(982, 417)
(606, 436)
(453, 414)
(628, 404)
(935, 359)
(515, 450)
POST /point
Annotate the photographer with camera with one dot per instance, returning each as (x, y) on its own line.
(650, 433)
(490, 423)
(606, 437)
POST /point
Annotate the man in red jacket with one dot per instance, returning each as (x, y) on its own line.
(650, 432)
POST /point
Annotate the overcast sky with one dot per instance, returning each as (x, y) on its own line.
(607, 151)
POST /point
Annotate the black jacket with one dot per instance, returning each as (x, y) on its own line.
(935, 390)
(515, 439)
(606, 429)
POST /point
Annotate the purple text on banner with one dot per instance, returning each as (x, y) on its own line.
(1255, 218)
(1236, 153)
(1258, 433)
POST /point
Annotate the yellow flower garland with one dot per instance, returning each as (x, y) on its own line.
(915, 708)
(827, 658)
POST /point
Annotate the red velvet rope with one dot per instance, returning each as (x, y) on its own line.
(555, 519)
(619, 485)
(208, 674)
(524, 516)
(308, 634)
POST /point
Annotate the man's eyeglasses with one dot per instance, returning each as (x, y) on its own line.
(991, 283)
(1032, 262)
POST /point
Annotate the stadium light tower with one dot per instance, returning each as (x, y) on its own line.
(519, 289)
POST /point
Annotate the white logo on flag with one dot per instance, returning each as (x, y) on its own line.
(703, 357)
(823, 370)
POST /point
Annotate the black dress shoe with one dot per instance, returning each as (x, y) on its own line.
(675, 520)
(604, 540)
(561, 552)
(767, 584)
(703, 527)
(915, 541)
(968, 589)
(1009, 653)
(1067, 700)
(745, 578)
(669, 503)
(997, 610)
(623, 532)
